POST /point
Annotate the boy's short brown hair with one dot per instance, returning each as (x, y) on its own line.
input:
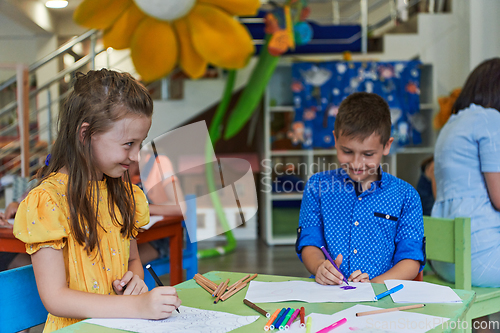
(362, 114)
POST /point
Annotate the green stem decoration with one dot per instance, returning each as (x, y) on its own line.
(215, 134)
(246, 105)
(251, 96)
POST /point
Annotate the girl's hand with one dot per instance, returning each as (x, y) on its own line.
(327, 274)
(130, 284)
(158, 303)
(357, 276)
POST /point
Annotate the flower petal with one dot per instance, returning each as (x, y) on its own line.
(99, 14)
(118, 36)
(219, 38)
(191, 62)
(154, 49)
(236, 7)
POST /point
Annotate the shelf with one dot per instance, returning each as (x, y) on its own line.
(415, 150)
(281, 108)
(298, 152)
(303, 152)
(286, 196)
(283, 240)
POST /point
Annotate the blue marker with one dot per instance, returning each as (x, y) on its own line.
(388, 292)
(277, 325)
(273, 325)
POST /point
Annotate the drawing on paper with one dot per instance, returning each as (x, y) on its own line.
(189, 320)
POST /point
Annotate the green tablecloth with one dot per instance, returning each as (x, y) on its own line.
(193, 295)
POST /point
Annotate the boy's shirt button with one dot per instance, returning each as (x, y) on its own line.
(387, 217)
(356, 223)
(359, 199)
(355, 251)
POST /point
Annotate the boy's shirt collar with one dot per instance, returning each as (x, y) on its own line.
(382, 180)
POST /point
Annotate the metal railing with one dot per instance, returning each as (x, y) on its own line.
(11, 152)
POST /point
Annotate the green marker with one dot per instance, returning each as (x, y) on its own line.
(287, 318)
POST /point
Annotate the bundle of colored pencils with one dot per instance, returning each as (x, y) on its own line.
(223, 291)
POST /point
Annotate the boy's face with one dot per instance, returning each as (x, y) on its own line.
(361, 159)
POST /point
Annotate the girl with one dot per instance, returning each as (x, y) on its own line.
(467, 172)
(79, 223)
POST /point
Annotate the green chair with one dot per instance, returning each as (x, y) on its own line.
(448, 240)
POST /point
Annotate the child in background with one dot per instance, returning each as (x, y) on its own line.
(79, 223)
(164, 197)
(426, 186)
(368, 219)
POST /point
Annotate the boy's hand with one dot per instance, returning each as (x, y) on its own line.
(158, 303)
(357, 276)
(130, 284)
(327, 274)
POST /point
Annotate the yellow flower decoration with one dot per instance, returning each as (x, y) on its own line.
(164, 33)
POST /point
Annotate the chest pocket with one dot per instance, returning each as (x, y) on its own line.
(385, 216)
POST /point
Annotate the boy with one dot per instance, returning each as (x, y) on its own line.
(371, 220)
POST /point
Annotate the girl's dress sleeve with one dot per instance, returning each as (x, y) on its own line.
(41, 222)
(141, 208)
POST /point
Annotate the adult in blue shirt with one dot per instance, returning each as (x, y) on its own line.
(368, 219)
(467, 172)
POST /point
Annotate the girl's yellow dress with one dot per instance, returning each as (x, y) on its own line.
(42, 220)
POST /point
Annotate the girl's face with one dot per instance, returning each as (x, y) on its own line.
(115, 149)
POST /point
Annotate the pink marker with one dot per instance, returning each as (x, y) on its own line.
(292, 318)
(332, 326)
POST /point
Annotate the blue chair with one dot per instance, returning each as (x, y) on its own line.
(21, 307)
(161, 266)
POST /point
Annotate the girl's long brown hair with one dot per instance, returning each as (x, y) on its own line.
(99, 98)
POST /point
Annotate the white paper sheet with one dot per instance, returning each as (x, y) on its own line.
(397, 321)
(422, 292)
(152, 220)
(189, 320)
(311, 292)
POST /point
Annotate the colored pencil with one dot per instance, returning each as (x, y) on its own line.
(231, 293)
(399, 308)
(207, 282)
(237, 282)
(156, 278)
(257, 308)
(201, 284)
(217, 289)
(223, 288)
(251, 278)
(221, 291)
(271, 320)
(302, 317)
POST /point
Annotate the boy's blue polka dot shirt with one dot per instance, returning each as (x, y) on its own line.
(372, 231)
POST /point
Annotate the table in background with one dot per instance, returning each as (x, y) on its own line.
(170, 227)
(193, 295)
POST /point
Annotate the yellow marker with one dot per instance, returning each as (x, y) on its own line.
(309, 323)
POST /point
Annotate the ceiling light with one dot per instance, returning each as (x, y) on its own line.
(56, 3)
